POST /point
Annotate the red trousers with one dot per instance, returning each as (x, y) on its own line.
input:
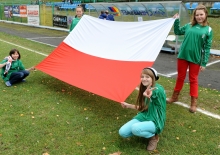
(182, 66)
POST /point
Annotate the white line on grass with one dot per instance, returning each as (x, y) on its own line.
(179, 103)
(46, 37)
(198, 109)
(214, 62)
(175, 73)
(42, 43)
(24, 48)
(38, 26)
(164, 75)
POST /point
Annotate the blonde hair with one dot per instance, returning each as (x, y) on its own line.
(200, 7)
(140, 103)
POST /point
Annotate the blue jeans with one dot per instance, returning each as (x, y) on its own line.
(144, 129)
(18, 76)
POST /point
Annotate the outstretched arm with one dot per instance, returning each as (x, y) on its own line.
(30, 69)
(127, 105)
(177, 29)
(2, 65)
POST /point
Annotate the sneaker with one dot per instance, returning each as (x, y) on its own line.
(152, 144)
(8, 83)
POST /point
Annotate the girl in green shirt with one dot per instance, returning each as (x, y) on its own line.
(15, 72)
(193, 54)
(151, 104)
(79, 14)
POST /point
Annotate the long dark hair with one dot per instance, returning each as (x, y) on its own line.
(140, 103)
(13, 51)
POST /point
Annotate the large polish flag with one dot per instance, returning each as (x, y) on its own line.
(106, 57)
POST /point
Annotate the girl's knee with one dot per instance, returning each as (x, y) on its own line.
(26, 73)
(144, 129)
(21, 74)
(135, 129)
(123, 133)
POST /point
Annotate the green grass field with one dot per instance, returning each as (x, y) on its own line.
(46, 115)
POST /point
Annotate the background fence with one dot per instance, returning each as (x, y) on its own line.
(48, 11)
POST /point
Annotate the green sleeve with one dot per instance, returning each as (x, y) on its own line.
(71, 27)
(208, 43)
(21, 66)
(73, 24)
(3, 68)
(159, 108)
(3, 61)
(177, 29)
(158, 95)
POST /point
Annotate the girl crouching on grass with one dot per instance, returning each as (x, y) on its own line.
(151, 104)
(13, 70)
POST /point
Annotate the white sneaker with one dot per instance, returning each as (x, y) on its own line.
(7, 83)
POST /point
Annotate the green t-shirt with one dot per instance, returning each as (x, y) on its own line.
(197, 39)
(74, 23)
(156, 109)
(15, 67)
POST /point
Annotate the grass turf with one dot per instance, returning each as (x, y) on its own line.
(45, 115)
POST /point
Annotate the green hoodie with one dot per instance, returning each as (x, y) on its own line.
(156, 109)
(197, 39)
(15, 67)
(74, 23)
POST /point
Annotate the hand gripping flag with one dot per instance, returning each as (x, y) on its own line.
(105, 57)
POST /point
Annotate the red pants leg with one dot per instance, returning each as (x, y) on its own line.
(182, 66)
(193, 79)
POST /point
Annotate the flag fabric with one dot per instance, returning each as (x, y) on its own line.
(106, 58)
